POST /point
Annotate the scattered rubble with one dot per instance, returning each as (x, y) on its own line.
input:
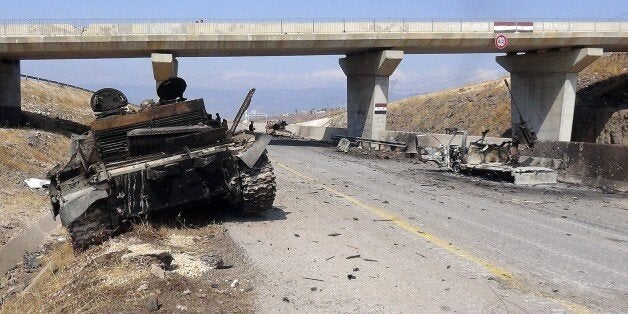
(142, 287)
(153, 304)
(129, 268)
(157, 271)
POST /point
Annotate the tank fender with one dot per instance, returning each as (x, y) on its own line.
(253, 153)
(76, 203)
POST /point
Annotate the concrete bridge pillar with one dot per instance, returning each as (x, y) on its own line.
(544, 89)
(10, 102)
(165, 66)
(367, 91)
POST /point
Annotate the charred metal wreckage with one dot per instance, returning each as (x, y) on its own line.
(483, 156)
(278, 128)
(163, 156)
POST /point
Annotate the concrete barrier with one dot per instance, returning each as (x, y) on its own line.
(316, 132)
(598, 165)
(435, 139)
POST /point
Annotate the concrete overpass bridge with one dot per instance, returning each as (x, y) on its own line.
(543, 57)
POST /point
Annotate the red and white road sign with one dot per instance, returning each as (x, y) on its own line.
(511, 27)
(501, 41)
(380, 108)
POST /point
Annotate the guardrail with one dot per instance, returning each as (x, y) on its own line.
(113, 27)
(39, 79)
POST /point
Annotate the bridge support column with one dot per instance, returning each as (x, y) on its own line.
(544, 89)
(367, 91)
(165, 66)
(10, 102)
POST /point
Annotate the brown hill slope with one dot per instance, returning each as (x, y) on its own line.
(473, 108)
(49, 116)
(601, 113)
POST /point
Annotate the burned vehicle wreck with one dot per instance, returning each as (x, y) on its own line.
(166, 156)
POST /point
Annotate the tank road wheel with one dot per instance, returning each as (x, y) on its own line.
(455, 167)
(258, 187)
(95, 226)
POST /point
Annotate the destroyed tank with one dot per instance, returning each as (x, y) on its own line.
(162, 156)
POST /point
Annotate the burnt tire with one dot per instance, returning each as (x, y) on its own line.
(257, 187)
(456, 168)
(93, 227)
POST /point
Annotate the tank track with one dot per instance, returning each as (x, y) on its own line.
(258, 187)
(93, 227)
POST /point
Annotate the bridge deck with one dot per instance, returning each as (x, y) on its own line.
(54, 39)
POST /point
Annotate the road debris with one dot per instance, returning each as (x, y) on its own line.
(335, 234)
(353, 256)
(35, 183)
(165, 260)
(315, 279)
(351, 276)
(142, 287)
(157, 271)
(235, 283)
(153, 304)
(214, 261)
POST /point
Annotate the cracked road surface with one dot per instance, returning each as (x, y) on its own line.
(350, 234)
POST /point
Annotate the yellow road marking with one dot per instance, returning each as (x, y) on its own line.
(501, 273)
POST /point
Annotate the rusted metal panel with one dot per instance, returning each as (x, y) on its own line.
(148, 114)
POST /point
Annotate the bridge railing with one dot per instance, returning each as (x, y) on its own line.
(288, 26)
(40, 79)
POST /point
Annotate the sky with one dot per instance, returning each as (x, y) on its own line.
(316, 79)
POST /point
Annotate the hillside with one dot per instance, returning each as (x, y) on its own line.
(601, 113)
(473, 108)
(30, 151)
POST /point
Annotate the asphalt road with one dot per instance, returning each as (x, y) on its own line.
(430, 241)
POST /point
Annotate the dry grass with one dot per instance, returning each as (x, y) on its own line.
(18, 161)
(473, 108)
(56, 101)
(49, 282)
(27, 153)
(100, 280)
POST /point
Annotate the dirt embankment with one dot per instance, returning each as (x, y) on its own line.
(153, 268)
(50, 114)
(601, 113)
(473, 108)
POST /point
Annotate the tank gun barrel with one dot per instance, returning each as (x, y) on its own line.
(243, 108)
